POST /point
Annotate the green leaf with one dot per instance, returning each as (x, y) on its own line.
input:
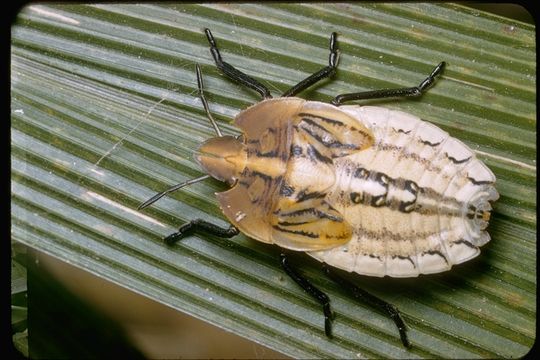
(105, 113)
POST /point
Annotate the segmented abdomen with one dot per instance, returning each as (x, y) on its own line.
(418, 200)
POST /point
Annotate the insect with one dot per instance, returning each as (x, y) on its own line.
(364, 189)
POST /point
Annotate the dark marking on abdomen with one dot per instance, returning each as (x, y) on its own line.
(456, 161)
(477, 182)
(402, 131)
(468, 243)
(404, 153)
(436, 252)
(401, 257)
(426, 142)
(356, 197)
(408, 206)
(382, 198)
(384, 181)
(361, 173)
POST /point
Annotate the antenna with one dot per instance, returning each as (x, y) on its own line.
(200, 84)
(158, 196)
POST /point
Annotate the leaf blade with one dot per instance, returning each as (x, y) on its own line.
(123, 119)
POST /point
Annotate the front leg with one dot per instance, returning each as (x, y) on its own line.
(234, 73)
(199, 225)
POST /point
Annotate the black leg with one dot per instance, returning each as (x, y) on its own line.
(317, 294)
(386, 93)
(373, 301)
(328, 71)
(233, 73)
(200, 225)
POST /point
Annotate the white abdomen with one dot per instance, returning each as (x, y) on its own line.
(418, 200)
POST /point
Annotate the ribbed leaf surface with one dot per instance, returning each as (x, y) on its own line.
(105, 113)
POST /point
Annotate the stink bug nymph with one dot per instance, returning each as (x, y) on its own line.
(360, 188)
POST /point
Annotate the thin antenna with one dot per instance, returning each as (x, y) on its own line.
(158, 196)
(200, 84)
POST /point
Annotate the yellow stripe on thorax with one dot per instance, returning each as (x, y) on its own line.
(272, 166)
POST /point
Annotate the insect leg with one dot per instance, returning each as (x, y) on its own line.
(202, 226)
(386, 93)
(328, 71)
(373, 301)
(305, 284)
(233, 73)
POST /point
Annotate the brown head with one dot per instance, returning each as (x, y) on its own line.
(223, 158)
